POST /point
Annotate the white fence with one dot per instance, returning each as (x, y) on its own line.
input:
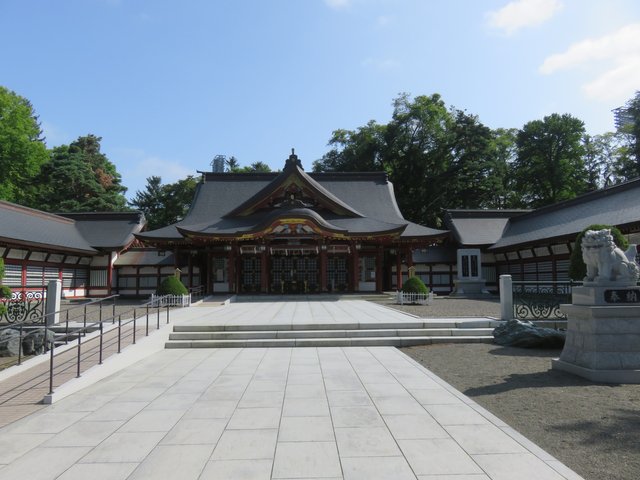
(170, 300)
(412, 297)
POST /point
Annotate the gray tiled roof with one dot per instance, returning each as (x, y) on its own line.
(136, 257)
(108, 230)
(30, 227)
(478, 227)
(618, 205)
(368, 194)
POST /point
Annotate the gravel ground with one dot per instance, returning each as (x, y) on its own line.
(451, 307)
(592, 428)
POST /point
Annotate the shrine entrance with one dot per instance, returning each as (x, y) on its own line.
(295, 273)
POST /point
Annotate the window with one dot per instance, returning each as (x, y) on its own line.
(98, 278)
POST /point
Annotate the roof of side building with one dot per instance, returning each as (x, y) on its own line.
(618, 205)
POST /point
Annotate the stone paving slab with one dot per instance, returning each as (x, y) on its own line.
(332, 412)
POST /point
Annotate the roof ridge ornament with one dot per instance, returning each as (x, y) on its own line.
(293, 161)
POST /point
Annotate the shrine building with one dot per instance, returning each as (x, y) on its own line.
(292, 232)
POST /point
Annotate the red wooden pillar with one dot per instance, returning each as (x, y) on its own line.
(398, 268)
(209, 270)
(109, 273)
(264, 271)
(379, 268)
(231, 265)
(355, 268)
(190, 267)
(323, 267)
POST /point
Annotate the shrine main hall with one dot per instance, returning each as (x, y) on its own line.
(293, 232)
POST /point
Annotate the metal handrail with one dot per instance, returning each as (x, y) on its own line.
(82, 331)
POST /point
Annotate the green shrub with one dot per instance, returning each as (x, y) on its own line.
(415, 285)
(577, 268)
(5, 292)
(172, 286)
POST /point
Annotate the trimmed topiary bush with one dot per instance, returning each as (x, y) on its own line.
(577, 268)
(415, 285)
(172, 286)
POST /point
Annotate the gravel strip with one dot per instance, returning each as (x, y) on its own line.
(451, 307)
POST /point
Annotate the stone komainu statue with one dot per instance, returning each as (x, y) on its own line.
(606, 263)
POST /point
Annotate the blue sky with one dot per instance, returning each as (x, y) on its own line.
(169, 84)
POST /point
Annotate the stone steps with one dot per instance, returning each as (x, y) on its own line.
(331, 334)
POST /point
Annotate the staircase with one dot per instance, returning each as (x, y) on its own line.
(418, 332)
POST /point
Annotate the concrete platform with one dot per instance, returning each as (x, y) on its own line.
(268, 413)
(341, 413)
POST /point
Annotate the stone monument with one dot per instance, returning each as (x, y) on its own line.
(603, 331)
(469, 281)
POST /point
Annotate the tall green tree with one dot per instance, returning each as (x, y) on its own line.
(550, 160)
(436, 157)
(163, 205)
(360, 150)
(22, 148)
(628, 126)
(80, 178)
(500, 166)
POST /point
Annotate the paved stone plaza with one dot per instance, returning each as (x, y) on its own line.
(260, 413)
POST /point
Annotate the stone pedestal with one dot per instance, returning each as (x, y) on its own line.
(603, 334)
(469, 287)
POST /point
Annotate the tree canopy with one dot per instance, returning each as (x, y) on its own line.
(163, 205)
(22, 148)
(549, 166)
(79, 178)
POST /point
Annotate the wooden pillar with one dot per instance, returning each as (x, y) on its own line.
(190, 268)
(109, 273)
(379, 268)
(323, 267)
(398, 268)
(231, 267)
(264, 271)
(355, 267)
(209, 270)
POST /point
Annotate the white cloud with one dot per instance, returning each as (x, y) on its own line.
(615, 58)
(522, 13)
(338, 4)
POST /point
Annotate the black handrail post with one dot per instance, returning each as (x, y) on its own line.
(119, 330)
(79, 351)
(20, 345)
(158, 317)
(147, 322)
(85, 315)
(101, 331)
(50, 363)
(100, 312)
(134, 327)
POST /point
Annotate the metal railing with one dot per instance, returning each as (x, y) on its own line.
(414, 298)
(143, 318)
(25, 304)
(541, 300)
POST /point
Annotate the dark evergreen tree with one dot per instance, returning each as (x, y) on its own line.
(163, 205)
(79, 178)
